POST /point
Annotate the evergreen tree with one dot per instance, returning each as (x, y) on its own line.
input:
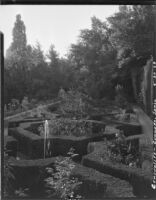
(95, 59)
(17, 62)
(53, 57)
(19, 43)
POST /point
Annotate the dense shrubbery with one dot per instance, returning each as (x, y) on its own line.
(120, 151)
(73, 104)
(68, 127)
(105, 55)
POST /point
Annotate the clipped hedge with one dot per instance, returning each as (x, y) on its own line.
(28, 173)
(28, 143)
(100, 185)
(31, 173)
(138, 178)
(32, 144)
(16, 122)
(130, 128)
(11, 145)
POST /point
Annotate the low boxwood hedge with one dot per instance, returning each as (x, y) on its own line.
(137, 177)
(100, 185)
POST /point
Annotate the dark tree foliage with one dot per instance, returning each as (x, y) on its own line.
(27, 71)
(132, 31)
(16, 64)
(109, 53)
(19, 36)
(95, 58)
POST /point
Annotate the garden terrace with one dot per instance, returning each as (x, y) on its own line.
(103, 176)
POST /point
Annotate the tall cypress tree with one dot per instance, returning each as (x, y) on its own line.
(17, 61)
(19, 36)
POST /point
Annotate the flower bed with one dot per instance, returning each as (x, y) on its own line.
(31, 143)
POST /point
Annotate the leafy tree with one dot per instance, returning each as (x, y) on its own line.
(39, 74)
(38, 57)
(53, 57)
(95, 54)
(16, 61)
(24, 66)
(132, 36)
(67, 73)
(19, 35)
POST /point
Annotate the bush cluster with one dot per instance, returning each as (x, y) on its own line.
(70, 127)
(73, 104)
(59, 184)
(119, 150)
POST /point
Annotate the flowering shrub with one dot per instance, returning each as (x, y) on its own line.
(120, 151)
(59, 184)
(70, 127)
(72, 103)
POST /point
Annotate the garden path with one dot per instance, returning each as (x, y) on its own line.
(146, 123)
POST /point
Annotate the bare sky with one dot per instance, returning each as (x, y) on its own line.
(52, 24)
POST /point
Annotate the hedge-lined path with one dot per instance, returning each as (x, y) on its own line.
(22, 114)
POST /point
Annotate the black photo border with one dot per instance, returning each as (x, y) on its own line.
(61, 2)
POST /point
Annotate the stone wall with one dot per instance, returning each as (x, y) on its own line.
(146, 87)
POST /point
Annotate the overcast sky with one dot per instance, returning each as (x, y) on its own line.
(52, 24)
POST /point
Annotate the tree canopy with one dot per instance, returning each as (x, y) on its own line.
(111, 52)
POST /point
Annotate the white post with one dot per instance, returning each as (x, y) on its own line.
(45, 136)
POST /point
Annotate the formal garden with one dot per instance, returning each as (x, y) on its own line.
(74, 149)
(71, 127)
